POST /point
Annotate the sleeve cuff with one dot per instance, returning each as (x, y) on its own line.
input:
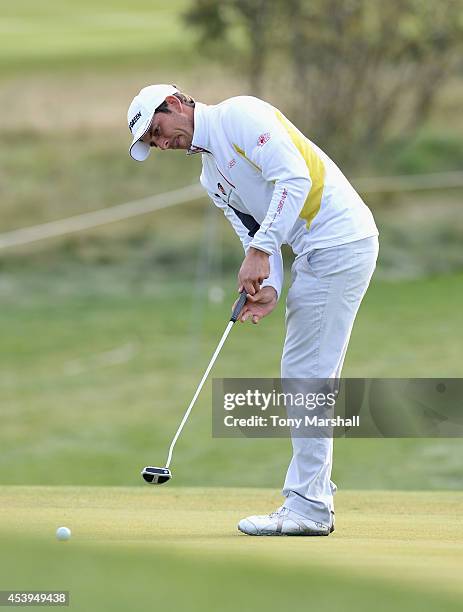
(275, 278)
(261, 248)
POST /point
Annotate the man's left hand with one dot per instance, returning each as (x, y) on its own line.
(254, 270)
(259, 305)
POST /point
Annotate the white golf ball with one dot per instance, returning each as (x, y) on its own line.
(63, 533)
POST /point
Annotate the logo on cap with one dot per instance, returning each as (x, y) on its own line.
(134, 120)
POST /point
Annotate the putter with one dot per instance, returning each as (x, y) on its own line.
(160, 475)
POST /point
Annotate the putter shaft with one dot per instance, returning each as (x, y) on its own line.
(198, 390)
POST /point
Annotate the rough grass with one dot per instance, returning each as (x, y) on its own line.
(53, 174)
(47, 177)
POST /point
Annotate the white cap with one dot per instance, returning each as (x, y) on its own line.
(140, 114)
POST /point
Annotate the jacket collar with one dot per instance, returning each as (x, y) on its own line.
(200, 142)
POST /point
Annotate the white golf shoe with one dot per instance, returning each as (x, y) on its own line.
(284, 522)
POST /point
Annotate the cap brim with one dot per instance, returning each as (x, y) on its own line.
(139, 151)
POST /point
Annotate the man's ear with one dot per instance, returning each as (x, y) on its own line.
(175, 102)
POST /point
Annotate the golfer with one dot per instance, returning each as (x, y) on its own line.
(277, 187)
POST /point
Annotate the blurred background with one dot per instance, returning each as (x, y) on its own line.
(106, 331)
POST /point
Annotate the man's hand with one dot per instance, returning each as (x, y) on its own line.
(259, 305)
(254, 270)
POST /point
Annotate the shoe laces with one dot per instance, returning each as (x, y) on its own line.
(279, 511)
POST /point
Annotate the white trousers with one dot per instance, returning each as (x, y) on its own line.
(326, 291)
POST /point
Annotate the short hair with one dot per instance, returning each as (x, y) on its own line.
(184, 99)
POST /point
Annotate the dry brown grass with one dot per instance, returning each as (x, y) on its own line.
(50, 102)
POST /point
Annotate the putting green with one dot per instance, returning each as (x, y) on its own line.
(403, 546)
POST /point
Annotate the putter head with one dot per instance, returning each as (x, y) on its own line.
(156, 475)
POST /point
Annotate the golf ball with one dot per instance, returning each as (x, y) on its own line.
(63, 533)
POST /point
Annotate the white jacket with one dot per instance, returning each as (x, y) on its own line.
(273, 184)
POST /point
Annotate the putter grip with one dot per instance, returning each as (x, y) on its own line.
(239, 306)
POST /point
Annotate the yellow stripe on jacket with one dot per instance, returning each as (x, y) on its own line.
(315, 166)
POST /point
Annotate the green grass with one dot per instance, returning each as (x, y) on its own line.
(67, 35)
(103, 340)
(100, 362)
(437, 150)
(180, 549)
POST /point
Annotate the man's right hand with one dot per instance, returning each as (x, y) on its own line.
(254, 270)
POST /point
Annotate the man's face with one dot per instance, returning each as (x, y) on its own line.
(172, 130)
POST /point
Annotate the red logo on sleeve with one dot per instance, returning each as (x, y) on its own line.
(263, 138)
(281, 203)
